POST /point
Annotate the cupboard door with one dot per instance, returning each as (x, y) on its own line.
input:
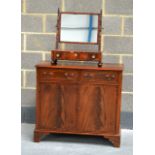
(97, 108)
(58, 106)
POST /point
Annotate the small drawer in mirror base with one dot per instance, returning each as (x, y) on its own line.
(76, 55)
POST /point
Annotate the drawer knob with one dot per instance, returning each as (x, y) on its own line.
(50, 73)
(75, 54)
(72, 74)
(88, 75)
(113, 76)
(57, 55)
(44, 73)
(93, 56)
(66, 74)
(107, 75)
(69, 75)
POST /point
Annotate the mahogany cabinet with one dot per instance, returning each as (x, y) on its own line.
(79, 100)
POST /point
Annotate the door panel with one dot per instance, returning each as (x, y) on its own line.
(97, 105)
(78, 107)
(58, 106)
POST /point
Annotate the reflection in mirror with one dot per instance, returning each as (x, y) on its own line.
(79, 28)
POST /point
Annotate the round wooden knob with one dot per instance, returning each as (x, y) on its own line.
(57, 55)
(93, 56)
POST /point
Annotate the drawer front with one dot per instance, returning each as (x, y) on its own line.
(58, 74)
(72, 55)
(78, 75)
(101, 76)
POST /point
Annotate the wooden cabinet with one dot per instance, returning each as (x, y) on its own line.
(79, 100)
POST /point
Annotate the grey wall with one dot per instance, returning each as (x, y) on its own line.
(38, 38)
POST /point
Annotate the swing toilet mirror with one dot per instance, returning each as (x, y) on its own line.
(78, 28)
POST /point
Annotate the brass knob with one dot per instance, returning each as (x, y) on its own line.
(72, 74)
(85, 74)
(93, 56)
(57, 55)
(50, 73)
(44, 73)
(113, 75)
(66, 74)
(107, 75)
(75, 54)
(91, 75)
(88, 75)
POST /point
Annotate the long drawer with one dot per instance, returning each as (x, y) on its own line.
(78, 75)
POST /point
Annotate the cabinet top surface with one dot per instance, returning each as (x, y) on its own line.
(106, 66)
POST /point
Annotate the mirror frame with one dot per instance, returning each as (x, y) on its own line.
(58, 34)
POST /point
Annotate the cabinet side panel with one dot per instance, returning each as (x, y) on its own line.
(119, 102)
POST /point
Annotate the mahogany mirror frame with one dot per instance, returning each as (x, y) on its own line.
(58, 34)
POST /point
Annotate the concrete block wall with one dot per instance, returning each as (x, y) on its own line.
(38, 38)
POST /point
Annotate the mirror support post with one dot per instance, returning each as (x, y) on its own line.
(99, 37)
(90, 28)
(99, 29)
(58, 30)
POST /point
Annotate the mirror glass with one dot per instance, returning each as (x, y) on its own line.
(79, 28)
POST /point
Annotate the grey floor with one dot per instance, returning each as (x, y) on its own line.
(74, 144)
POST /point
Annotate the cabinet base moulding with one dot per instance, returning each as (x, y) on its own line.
(114, 139)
